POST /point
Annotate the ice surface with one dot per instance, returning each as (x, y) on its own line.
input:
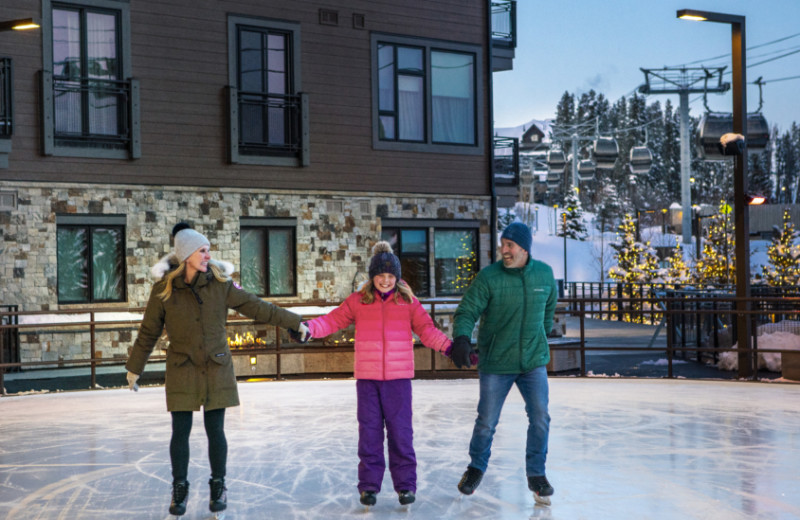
(654, 449)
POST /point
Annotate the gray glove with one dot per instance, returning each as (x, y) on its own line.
(132, 378)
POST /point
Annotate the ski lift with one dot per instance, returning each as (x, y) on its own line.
(586, 169)
(714, 125)
(641, 160)
(606, 152)
(556, 161)
(554, 179)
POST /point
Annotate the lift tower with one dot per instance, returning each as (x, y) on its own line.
(684, 81)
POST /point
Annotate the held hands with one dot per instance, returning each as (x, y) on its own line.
(132, 378)
(301, 335)
(461, 352)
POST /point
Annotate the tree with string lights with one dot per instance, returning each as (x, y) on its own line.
(783, 268)
(717, 263)
(677, 273)
(574, 227)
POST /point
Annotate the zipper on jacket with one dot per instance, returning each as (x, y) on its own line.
(522, 320)
(383, 333)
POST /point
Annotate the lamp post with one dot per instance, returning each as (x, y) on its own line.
(742, 218)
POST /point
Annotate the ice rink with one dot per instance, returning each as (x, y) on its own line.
(619, 448)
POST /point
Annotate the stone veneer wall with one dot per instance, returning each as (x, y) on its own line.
(333, 247)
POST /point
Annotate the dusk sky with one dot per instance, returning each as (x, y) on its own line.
(577, 45)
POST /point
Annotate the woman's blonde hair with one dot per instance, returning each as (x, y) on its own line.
(367, 292)
(216, 270)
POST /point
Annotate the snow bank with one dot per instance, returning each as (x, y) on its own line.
(770, 360)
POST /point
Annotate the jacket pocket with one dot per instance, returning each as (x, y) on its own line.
(181, 374)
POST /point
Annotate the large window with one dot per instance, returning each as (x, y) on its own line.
(268, 256)
(437, 258)
(426, 94)
(86, 80)
(268, 114)
(90, 252)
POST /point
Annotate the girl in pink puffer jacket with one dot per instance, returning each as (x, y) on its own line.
(385, 313)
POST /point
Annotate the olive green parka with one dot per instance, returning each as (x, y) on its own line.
(199, 368)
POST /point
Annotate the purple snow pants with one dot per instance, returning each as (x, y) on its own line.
(379, 403)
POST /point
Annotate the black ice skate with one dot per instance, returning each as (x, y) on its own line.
(406, 497)
(470, 480)
(369, 498)
(219, 495)
(542, 490)
(180, 493)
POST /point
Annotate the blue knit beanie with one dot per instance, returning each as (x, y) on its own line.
(519, 233)
(384, 261)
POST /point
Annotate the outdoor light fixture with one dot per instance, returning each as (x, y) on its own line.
(23, 24)
(253, 360)
(755, 200)
(741, 214)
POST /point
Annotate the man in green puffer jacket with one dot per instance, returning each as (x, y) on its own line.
(515, 299)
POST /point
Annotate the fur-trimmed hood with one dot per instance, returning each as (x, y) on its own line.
(170, 261)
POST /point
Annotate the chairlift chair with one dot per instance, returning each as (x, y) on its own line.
(586, 170)
(714, 125)
(606, 152)
(556, 161)
(641, 160)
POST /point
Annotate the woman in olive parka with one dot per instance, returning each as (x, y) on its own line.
(191, 299)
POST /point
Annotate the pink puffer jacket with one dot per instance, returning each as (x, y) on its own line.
(384, 341)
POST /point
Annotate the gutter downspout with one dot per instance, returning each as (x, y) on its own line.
(490, 144)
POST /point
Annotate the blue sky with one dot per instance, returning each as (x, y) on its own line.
(577, 45)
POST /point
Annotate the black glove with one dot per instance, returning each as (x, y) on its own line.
(460, 352)
(300, 336)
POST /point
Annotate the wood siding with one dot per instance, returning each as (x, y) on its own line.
(179, 54)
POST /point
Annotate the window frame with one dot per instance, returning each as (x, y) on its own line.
(429, 46)
(295, 80)
(431, 226)
(49, 141)
(266, 225)
(89, 223)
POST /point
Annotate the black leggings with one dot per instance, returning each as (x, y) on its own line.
(214, 421)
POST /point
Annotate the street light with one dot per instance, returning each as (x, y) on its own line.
(23, 24)
(741, 214)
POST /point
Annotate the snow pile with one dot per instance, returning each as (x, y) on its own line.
(770, 360)
(663, 362)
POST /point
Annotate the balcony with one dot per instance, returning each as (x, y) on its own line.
(268, 128)
(89, 117)
(504, 34)
(505, 170)
(6, 110)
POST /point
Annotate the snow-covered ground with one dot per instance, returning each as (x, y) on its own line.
(651, 449)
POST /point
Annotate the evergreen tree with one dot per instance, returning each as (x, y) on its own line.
(678, 273)
(574, 226)
(716, 265)
(783, 268)
(636, 262)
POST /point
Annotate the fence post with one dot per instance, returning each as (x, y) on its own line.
(92, 351)
(583, 338)
(277, 353)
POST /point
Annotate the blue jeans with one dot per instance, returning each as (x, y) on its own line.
(494, 389)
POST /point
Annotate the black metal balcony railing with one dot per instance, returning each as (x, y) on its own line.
(269, 124)
(504, 23)
(92, 113)
(506, 161)
(6, 84)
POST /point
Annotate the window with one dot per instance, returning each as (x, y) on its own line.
(268, 256)
(90, 251)
(6, 85)
(455, 259)
(411, 247)
(426, 94)
(268, 114)
(453, 256)
(90, 103)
